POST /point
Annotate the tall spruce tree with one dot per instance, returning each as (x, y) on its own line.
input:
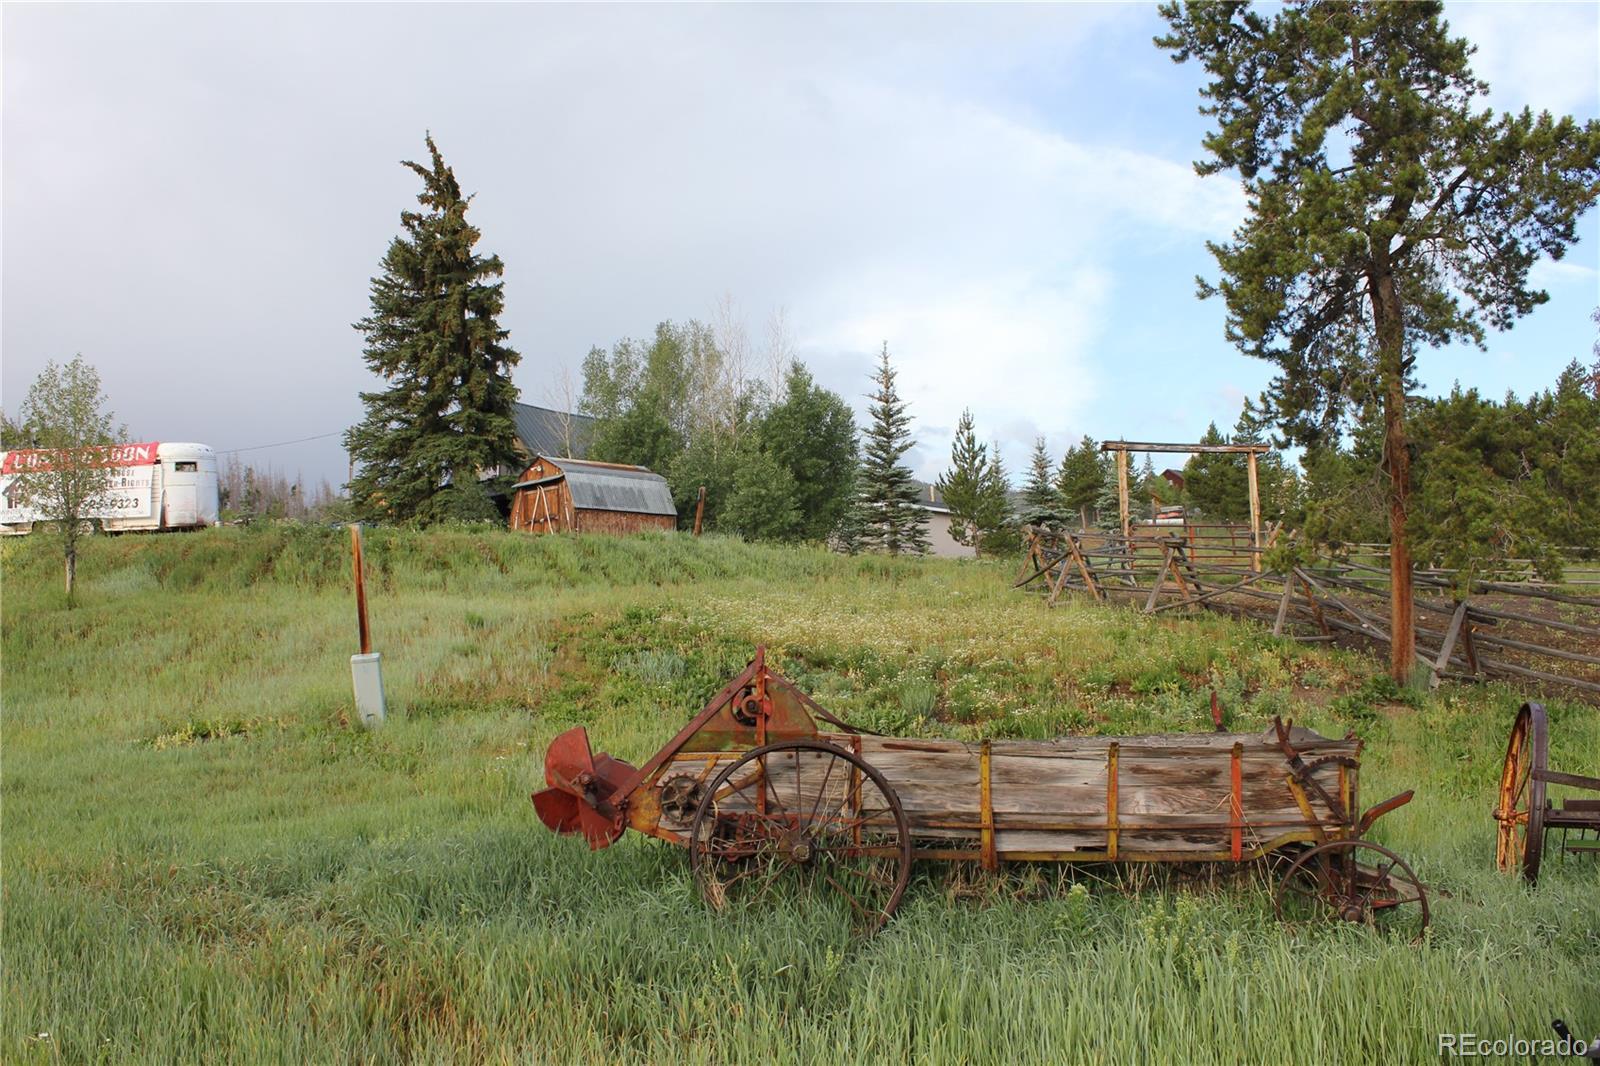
(1569, 435)
(1081, 476)
(1275, 481)
(1039, 491)
(962, 484)
(1217, 482)
(1108, 502)
(891, 518)
(1594, 368)
(1386, 210)
(968, 488)
(445, 418)
(1482, 496)
(1003, 534)
(1146, 489)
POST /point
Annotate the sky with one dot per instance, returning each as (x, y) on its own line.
(196, 197)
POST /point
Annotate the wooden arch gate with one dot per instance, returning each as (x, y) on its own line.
(1122, 448)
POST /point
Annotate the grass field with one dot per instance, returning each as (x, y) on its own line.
(203, 861)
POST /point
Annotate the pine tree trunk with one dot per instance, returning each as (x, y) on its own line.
(1397, 468)
(1397, 464)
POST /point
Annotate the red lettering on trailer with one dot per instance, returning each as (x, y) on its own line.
(26, 459)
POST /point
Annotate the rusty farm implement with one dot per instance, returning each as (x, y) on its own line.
(1525, 813)
(764, 785)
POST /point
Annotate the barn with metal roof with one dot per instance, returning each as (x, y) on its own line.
(577, 495)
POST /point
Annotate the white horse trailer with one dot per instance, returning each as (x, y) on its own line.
(154, 486)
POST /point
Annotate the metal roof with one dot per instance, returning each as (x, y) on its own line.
(609, 487)
(929, 498)
(542, 431)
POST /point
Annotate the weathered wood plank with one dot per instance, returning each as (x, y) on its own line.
(1059, 788)
(1050, 797)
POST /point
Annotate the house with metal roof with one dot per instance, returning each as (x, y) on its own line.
(941, 536)
(545, 431)
(556, 495)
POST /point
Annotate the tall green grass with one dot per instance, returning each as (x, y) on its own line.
(203, 861)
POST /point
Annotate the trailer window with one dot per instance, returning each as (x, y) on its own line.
(186, 468)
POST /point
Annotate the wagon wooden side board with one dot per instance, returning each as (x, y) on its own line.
(765, 784)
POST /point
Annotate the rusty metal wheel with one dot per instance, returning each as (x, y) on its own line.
(1354, 881)
(1521, 806)
(809, 813)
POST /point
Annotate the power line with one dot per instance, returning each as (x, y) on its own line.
(280, 444)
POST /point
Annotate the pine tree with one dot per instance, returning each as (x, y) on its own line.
(445, 418)
(891, 519)
(1107, 504)
(1570, 438)
(963, 485)
(1344, 485)
(1217, 482)
(1594, 368)
(1039, 491)
(848, 535)
(1274, 480)
(1002, 533)
(1480, 496)
(1387, 209)
(1146, 488)
(1081, 475)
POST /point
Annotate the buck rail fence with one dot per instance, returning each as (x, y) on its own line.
(1582, 567)
(1520, 630)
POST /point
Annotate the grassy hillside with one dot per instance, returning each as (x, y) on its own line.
(203, 861)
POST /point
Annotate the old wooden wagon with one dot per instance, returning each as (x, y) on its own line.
(764, 783)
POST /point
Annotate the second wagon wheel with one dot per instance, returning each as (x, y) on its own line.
(806, 812)
(1520, 810)
(1354, 881)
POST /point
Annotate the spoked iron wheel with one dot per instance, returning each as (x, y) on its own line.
(808, 813)
(1354, 881)
(1520, 810)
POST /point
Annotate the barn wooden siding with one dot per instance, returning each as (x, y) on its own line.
(592, 521)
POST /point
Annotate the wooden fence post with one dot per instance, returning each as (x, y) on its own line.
(1255, 513)
(363, 632)
(1060, 581)
(1161, 577)
(366, 667)
(1122, 490)
(1083, 567)
(1443, 661)
(1283, 604)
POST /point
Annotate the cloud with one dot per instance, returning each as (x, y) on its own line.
(207, 191)
(1552, 273)
(1013, 349)
(981, 255)
(1538, 55)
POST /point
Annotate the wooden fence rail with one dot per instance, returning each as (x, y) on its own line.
(1581, 566)
(1512, 630)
